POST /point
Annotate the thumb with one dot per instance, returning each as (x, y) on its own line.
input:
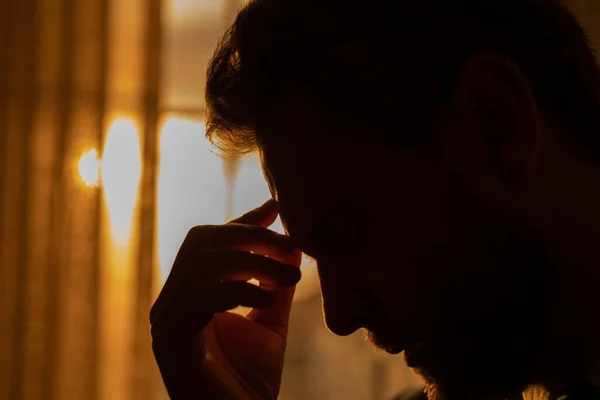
(262, 216)
(277, 316)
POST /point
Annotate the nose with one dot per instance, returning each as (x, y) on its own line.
(339, 320)
(344, 311)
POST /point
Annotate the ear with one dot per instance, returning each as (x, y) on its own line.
(494, 134)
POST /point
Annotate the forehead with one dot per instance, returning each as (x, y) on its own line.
(302, 155)
(314, 166)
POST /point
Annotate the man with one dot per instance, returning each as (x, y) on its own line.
(441, 162)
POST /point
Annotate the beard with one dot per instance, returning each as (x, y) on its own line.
(488, 289)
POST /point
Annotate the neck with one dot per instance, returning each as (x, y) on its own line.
(566, 210)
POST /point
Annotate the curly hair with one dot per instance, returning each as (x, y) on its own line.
(359, 60)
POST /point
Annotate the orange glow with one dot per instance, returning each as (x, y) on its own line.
(121, 173)
(120, 177)
(89, 168)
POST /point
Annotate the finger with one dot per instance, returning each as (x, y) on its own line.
(236, 265)
(185, 315)
(235, 294)
(225, 265)
(263, 216)
(237, 236)
(277, 316)
(234, 236)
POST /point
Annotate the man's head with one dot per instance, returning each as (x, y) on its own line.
(411, 146)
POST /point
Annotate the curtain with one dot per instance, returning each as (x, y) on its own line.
(75, 291)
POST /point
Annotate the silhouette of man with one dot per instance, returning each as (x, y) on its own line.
(440, 160)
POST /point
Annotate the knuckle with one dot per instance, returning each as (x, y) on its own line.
(197, 232)
(201, 236)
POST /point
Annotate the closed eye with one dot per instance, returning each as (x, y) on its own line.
(338, 236)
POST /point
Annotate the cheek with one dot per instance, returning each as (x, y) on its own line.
(404, 267)
(467, 275)
(429, 270)
(410, 226)
(393, 277)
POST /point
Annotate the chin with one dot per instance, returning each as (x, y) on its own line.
(381, 342)
(388, 348)
(393, 350)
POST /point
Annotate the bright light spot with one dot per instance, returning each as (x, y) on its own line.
(89, 168)
(121, 172)
(191, 188)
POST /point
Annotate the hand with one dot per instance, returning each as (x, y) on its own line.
(205, 352)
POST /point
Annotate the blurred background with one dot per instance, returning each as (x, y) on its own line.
(103, 169)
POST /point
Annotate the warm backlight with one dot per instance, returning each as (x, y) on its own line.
(120, 174)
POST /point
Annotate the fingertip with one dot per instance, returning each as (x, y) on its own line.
(297, 273)
(270, 214)
(293, 257)
(272, 202)
(292, 276)
(262, 216)
(270, 205)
